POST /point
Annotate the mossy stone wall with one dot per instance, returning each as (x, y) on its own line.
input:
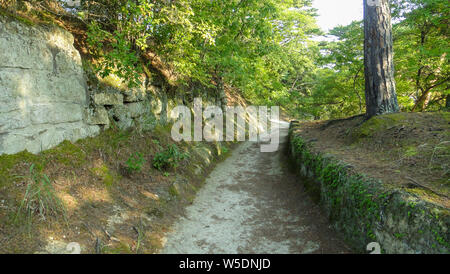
(365, 210)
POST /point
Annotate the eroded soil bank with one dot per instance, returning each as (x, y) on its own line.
(252, 203)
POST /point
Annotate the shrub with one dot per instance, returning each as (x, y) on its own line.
(168, 158)
(135, 162)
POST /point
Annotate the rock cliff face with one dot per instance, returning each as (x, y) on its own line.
(45, 97)
(43, 92)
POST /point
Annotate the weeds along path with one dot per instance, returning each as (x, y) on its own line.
(252, 203)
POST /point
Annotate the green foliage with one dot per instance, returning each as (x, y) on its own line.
(121, 60)
(169, 158)
(133, 28)
(421, 52)
(135, 162)
(264, 49)
(259, 47)
(421, 63)
(224, 149)
(338, 89)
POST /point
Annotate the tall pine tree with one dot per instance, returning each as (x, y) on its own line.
(378, 59)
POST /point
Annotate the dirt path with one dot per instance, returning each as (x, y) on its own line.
(252, 203)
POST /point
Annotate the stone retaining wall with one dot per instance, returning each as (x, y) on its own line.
(365, 210)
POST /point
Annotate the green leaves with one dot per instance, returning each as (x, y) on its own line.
(253, 45)
(420, 57)
(421, 52)
(135, 162)
(169, 158)
(120, 59)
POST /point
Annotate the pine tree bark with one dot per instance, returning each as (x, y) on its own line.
(380, 91)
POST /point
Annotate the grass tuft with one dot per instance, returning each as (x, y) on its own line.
(39, 200)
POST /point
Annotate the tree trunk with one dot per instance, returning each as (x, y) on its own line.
(378, 59)
(423, 101)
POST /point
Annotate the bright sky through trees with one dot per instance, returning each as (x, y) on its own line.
(337, 12)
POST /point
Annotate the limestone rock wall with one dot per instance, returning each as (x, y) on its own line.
(43, 93)
(45, 97)
(130, 108)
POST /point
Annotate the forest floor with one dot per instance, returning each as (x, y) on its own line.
(403, 150)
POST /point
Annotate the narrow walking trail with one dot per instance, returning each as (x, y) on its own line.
(252, 203)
